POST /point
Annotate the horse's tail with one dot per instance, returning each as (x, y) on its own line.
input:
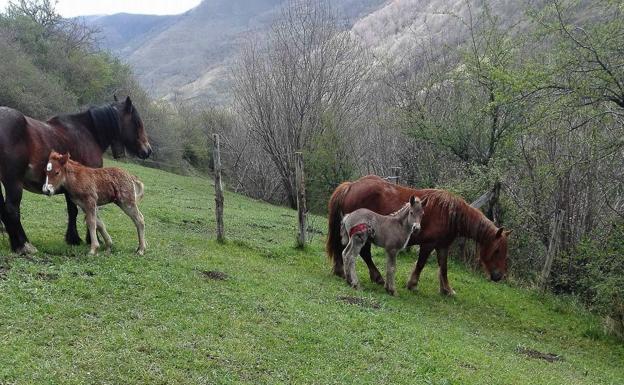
(334, 245)
(139, 189)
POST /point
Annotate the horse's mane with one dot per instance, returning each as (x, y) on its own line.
(106, 124)
(399, 211)
(463, 218)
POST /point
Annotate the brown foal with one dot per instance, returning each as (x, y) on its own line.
(92, 187)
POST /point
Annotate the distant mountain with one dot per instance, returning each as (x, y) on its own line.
(123, 33)
(187, 57)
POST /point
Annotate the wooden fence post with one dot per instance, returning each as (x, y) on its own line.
(218, 188)
(553, 247)
(397, 174)
(301, 199)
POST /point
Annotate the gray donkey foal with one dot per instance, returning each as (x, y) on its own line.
(392, 232)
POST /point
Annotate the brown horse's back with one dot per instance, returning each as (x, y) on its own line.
(13, 147)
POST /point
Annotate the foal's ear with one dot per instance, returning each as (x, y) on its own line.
(423, 202)
(128, 103)
(64, 159)
(500, 232)
(507, 232)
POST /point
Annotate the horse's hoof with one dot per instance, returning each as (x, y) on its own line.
(140, 251)
(411, 286)
(356, 286)
(392, 292)
(339, 272)
(447, 292)
(27, 249)
(378, 280)
(73, 239)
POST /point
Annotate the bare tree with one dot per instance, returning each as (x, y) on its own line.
(305, 79)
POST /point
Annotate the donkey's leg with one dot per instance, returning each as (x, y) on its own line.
(11, 217)
(101, 228)
(356, 243)
(374, 274)
(423, 255)
(133, 212)
(345, 257)
(390, 271)
(445, 288)
(71, 235)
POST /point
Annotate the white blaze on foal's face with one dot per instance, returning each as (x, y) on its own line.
(54, 175)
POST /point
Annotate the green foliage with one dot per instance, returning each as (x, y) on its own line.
(327, 164)
(49, 64)
(604, 275)
(24, 87)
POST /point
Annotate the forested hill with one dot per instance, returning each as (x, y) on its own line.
(188, 56)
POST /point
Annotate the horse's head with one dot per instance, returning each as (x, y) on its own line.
(415, 213)
(132, 136)
(55, 173)
(493, 255)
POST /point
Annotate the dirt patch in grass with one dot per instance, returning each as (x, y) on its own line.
(3, 272)
(262, 226)
(531, 353)
(362, 302)
(214, 275)
(47, 276)
(86, 273)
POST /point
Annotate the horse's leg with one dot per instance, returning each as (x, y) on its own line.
(423, 255)
(338, 268)
(90, 209)
(374, 274)
(133, 212)
(445, 288)
(101, 228)
(71, 235)
(390, 270)
(11, 218)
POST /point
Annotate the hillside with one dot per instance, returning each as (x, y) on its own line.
(188, 57)
(255, 310)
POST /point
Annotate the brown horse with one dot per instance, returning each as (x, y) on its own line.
(446, 217)
(26, 143)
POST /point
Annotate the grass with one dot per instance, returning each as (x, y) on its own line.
(275, 316)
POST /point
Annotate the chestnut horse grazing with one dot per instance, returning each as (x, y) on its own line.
(392, 232)
(92, 187)
(26, 143)
(446, 216)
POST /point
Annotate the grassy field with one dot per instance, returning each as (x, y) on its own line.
(255, 310)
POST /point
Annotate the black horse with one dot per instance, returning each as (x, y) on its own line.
(26, 143)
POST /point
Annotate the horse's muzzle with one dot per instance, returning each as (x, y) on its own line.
(496, 276)
(145, 152)
(48, 190)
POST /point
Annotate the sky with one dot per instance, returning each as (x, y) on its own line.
(71, 8)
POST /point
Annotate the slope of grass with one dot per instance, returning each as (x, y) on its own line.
(276, 315)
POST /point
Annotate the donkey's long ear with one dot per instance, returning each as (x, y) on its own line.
(412, 200)
(128, 104)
